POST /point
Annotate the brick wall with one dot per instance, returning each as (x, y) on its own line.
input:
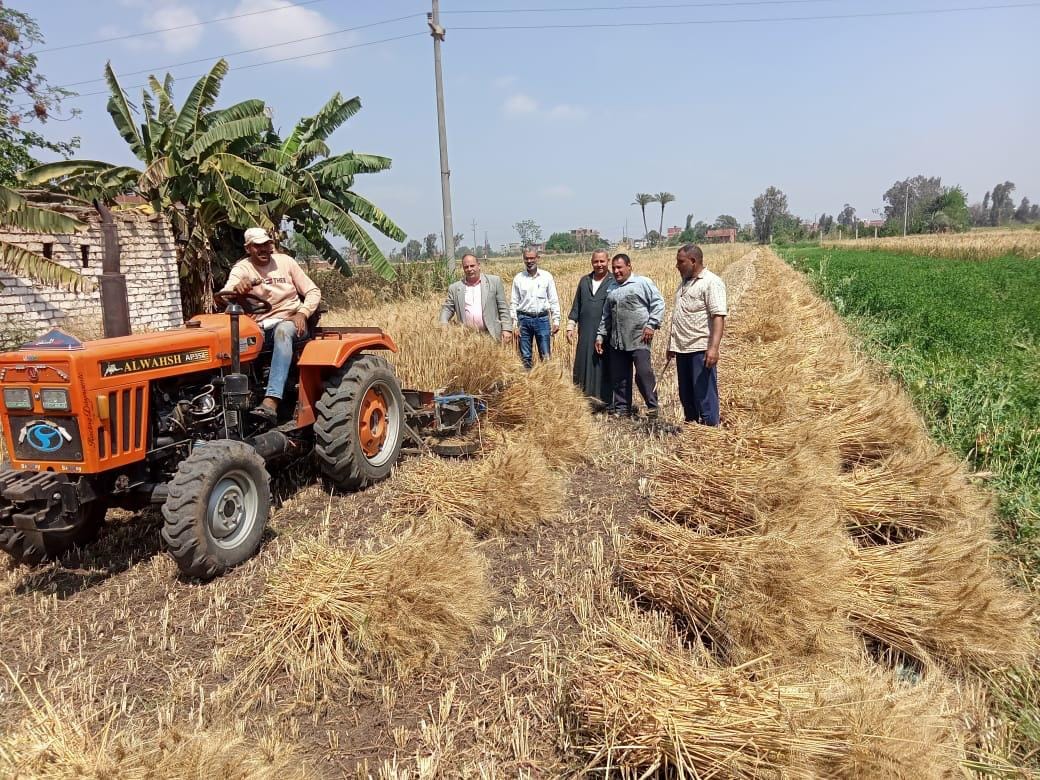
(148, 260)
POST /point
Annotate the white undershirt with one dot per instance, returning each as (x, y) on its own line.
(595, 284)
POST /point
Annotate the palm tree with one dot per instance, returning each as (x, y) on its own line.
(642, 200)
(17, 212)
(213, 172)
(664, 198)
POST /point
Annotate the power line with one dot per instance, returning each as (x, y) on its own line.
(754, 20)
(247, 51)
(653, 7)
(613, 25)
(96, 41)
(265, 64)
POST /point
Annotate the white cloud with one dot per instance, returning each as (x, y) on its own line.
(174, 15)
(557, 192)
(519, 105)
(270, 29)
(566, 112)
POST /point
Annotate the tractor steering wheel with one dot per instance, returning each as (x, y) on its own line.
(251, 304)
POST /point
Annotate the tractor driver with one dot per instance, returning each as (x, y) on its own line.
(279, 280)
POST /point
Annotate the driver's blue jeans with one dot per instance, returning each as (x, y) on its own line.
(284, 334)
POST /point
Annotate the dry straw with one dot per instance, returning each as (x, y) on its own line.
(641, 708)
(973, 245)
(88, 739)
(921, 490)
(941, 596)
(550, 412)
(511, 490)
(723, 480)
(782, 594)
(329, 615)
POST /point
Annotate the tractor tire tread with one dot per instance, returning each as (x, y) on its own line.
(333, 429)
(184, 495)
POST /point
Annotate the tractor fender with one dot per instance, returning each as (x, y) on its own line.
(326, 352)
(331, 348)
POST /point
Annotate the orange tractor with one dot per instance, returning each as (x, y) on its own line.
(161, 418)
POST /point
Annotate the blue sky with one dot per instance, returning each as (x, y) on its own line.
(564, 126)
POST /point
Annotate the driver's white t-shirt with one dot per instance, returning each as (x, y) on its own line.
(281, 282)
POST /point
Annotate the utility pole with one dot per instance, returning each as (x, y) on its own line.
(433, 19)
(473, 224)
(906, 208)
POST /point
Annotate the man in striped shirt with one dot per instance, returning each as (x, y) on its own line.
(698, 321)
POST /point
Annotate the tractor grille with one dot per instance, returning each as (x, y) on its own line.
(123, 432)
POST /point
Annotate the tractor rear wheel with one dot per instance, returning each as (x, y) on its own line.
(360, 423)
(217, 508)
(88, 521)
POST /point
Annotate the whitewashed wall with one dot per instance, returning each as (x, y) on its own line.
(148, 259)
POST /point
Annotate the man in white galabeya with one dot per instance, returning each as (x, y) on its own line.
(278, 279)
(535, 307)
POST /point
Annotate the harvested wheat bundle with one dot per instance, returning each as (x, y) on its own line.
(328, 615)
(940, 595)
(874, 427)
(911, 493)
(757, 395)
(886, 727)
(641, 708)
(781, 594)
(547, 407)
(722, 480)
(494, 494)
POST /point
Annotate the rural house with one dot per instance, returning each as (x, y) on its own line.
(148, 260)
(723, 235)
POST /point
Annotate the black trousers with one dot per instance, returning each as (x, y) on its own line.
(621, 365)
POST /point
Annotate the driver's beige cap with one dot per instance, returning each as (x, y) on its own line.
(257, 236)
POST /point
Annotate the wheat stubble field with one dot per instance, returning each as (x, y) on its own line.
(811, 591)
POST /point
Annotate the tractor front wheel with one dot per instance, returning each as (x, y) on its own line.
(360, 423)
(217, 508)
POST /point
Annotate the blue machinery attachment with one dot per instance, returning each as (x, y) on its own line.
(443, 424)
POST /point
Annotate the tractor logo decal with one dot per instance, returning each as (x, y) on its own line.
(149, 362)
(44, 436)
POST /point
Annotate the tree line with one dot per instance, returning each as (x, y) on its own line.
(918, 204)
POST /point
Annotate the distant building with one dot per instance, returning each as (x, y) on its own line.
(639, 243)
(673, 231)
(585, 234)
(722, 235)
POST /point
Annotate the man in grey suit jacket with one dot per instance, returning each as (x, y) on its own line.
(479, 302)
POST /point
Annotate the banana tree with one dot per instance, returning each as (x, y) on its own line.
(192, 169)
(323, 201)
(17, 212)
(211, 171)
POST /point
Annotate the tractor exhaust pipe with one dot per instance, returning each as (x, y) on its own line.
(115, 307)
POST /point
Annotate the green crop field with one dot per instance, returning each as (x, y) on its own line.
(964, 338)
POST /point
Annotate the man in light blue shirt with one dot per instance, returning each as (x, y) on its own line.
(632, 314)
(535, 307)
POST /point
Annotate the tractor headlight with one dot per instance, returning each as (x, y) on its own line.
(17, 398)
(54, 399)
